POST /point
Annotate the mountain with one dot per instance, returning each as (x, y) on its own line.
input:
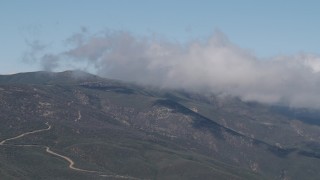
(75, 125)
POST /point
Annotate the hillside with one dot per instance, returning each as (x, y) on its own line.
(116, 130)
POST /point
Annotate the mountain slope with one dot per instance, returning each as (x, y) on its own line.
(128, 130)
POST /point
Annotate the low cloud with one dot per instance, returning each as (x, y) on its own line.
(49, 62)
(214, 65)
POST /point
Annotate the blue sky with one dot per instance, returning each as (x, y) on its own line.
(267, 28)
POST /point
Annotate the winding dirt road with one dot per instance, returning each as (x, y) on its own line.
(27, 133)
(71, 166)
(70, 161)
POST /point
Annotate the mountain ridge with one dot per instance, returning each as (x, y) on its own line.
(125, 128)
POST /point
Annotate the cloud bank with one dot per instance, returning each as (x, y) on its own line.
(214, 65)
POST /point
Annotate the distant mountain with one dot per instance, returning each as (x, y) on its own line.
(43, 77)
(115, 130)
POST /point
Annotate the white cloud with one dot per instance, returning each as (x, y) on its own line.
(215, 65)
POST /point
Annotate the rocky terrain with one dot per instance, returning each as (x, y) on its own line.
(124, 131)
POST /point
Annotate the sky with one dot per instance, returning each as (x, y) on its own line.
(266, 51)
(267, 28)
